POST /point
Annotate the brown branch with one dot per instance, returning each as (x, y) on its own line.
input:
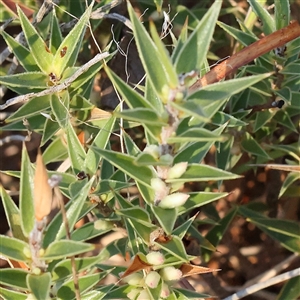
(248, 54)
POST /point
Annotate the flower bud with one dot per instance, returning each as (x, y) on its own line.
(166, 159)
(36, 271)
(144, 295)
(173, 200)
(170, 274)
(158, 185)
(133, 293)
(26, 252)
(177, 170)
(133, 279)
(152, 150)
(165, 292)
(152, 279)
(155, 258)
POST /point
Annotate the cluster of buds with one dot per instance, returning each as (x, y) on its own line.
(143, 283)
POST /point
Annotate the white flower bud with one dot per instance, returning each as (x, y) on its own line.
(144, 295)
(177, 170)
(155, 258)
(152, 150)
(165, 292)
(152, 279)
(173, 200)
(133, 293)
(133, 279)
(170, 274)
(157, 184)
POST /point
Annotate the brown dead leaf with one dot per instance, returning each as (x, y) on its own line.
(137, 264)
(42, 190)
(189, 270)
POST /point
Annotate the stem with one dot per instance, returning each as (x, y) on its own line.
(248, 54)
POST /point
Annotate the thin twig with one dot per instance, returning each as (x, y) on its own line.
(56, 88)
(273, 271)
(262, 285)
(12, 138)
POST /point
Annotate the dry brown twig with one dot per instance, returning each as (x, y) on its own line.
(248, 54)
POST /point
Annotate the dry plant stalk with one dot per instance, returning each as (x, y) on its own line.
(248, 54)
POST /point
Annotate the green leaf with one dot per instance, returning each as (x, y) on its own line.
(132, 98)
(75, 149)
(63, 248)
(182, 229)
(282, 13)
(91, 230)
(193, 53)
(176, 248)
(11, 295)
(212, 97)
(191, 109)
(288, 228)
(240, 36)
(25, 82)
(56, 151)
(60, 108)
(190, 294)
(55, 33)
(199, 199)
(12, 215)
(266, 19)
(195, 135)
(67, 290)
(142, 115)
(39, 285)
(56, 229)
(270, 227)
(250, 145)
(165, 217)
(290, 290)
(140, 221)
(289, 180)
(199, 172)
(13, 248)
(15, 278)
(220, 118)
(93, 158)
(49, 130)
(26, 194)
(38, 48)
(22, 54)
(67, 52)
(125, 163)
(216, 234)
(262, 118)
(32, 107)
(63, 268)
(156, 68)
